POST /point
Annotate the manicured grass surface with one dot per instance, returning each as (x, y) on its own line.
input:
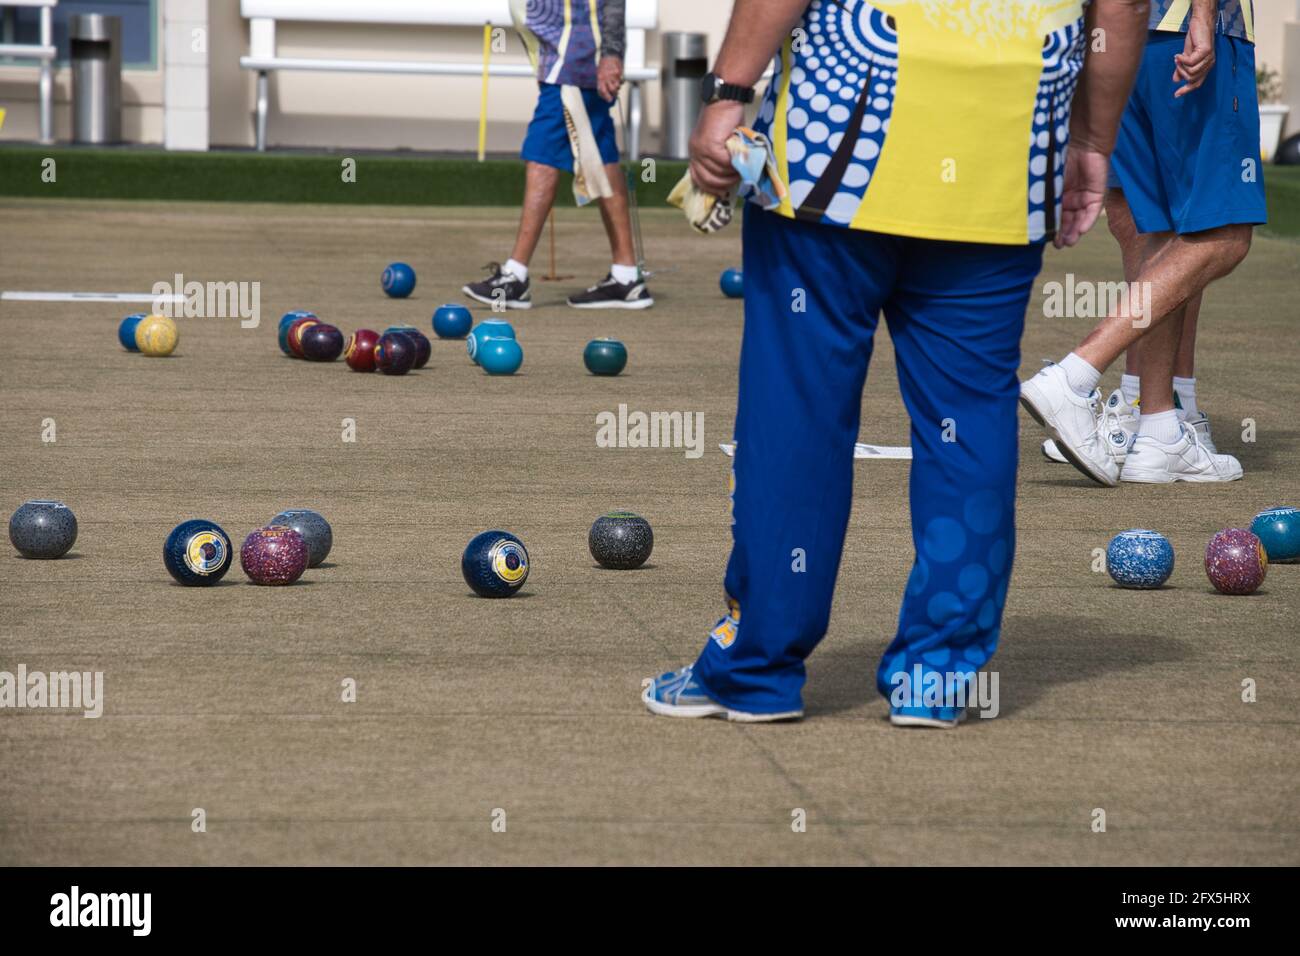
(228, 698)
(1282, 183)
(84, 173)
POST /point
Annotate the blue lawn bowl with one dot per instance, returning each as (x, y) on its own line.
(495, 564)
(732, 283)
(605, 356)
(126, 331)
(452, 321)
(197, 553)
(500, 356)
(398, 280)
(1278, 529)
(488, 328)
(287, 320)
(1140, 558)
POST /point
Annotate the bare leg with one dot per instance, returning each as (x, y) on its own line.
(1189, 262)
(1185, 365)
(618, 224)
(1148, 357)
(540, 184)
(1136, 249)
(1159, 349)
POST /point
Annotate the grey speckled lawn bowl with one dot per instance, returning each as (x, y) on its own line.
(313, 527)
(621, 540)
(43, 529)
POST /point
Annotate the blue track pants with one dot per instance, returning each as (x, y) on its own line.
(955, 312)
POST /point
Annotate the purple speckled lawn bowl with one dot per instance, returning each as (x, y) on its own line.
(273, 555)
(1235, 561)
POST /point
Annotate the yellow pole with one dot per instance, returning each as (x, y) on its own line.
(552, 218)
(482, 103)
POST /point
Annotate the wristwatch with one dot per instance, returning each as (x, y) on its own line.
(714, 88)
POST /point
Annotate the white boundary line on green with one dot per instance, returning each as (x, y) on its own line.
(860, 450)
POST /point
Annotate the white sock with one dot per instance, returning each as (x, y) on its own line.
(1131, 387)
(516, 269)
(1164, 427)
(1083, 378)
(624, 274)
(1185, 389)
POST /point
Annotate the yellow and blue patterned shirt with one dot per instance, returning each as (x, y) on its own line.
(938, 119)
(1236, 17)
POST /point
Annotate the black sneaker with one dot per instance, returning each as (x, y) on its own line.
(610, 294)
(500, 287)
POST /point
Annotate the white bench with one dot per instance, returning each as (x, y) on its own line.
(642, 15)
(44, 51)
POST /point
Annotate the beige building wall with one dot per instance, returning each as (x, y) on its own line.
(386, 111)
(345, 110)
(1270, 34)
(348, 111)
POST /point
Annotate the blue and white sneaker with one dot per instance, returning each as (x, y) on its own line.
(1119, 421)
(1200, 423)
(1187, 459)
(1076, 423)
(678, 694)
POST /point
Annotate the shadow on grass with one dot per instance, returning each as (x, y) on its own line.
(1263, 454)
(517, 596)
(1037, 652)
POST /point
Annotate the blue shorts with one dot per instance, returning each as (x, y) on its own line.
(1190, 164)
(547, 140)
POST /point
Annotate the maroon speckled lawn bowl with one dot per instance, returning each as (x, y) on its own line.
(1235, 561)
(273, 555)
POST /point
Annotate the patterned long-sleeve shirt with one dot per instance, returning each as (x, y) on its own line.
(565, 39)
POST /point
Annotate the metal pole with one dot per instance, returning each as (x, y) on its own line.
(629, 181)
(634, 120)
(47, 78)
(262, 107)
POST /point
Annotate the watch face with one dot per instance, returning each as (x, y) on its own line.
(708, 87)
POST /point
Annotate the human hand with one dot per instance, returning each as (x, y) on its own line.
(1084, 192)
(609, 77)
(711, 168)
(1193, 65)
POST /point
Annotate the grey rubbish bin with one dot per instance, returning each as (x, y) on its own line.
(685, 61)
(96, 42)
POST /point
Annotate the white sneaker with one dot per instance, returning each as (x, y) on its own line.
(1122, 418)
(1075, 423)
(1185, 460)
(937, 723)
(1200, 423)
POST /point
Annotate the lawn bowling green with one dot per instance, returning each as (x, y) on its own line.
(229, 697)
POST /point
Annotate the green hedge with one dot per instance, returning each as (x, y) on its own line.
(281, 177)
(87, 173)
